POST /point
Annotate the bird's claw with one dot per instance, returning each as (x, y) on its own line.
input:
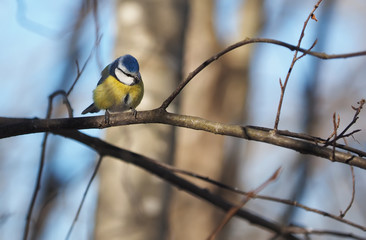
(134, 112)
(106, 117)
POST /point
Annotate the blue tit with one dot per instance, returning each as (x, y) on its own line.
(120, 87)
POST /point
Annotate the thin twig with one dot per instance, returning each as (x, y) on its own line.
(80, 72)
(44, 143)
(106, 149)
(251, 41)
(354, 120)
(36, 189)
(294, 60)
(262, 197)
(318, 140)
(342, 214)
(84, 197)
(158, 170)
(42, 160)
(304, 231)
(229, 215)
(65, 101)
(305, 53)
(335, 127)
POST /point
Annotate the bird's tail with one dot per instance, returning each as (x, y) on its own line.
(91, 109)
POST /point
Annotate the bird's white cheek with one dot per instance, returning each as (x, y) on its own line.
(123, 77)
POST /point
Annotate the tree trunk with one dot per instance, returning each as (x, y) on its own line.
(131, 202)
(198, 151)
(218, 93)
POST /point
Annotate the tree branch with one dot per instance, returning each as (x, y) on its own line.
(266, 135)
(250, 41)
(106, 149)
(294, 60)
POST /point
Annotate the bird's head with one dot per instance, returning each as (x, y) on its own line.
(126, 70)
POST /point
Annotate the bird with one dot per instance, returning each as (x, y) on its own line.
(119, 89)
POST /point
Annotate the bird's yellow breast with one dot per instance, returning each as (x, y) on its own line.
(111, 94)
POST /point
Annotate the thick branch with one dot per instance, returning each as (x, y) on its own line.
(106, 149)
(26, 126)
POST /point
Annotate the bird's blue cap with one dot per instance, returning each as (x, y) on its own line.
(130, 63)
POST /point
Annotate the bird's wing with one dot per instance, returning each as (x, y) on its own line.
(105, 74)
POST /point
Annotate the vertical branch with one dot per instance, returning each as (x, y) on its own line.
(44, 143)
(37, 187)
(335, 126)
(42, 160)
(342, 214)
(295, 58)
(235, 209)
(80, 71)
(84, 196)
(42, 30)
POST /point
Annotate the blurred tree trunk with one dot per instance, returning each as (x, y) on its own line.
(131, 201)
(218, 93)
(198, 151)
(237, 78)
(237, 73)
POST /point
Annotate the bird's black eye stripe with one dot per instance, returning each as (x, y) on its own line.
(129, 75)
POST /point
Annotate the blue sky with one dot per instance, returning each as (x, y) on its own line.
(32, 61)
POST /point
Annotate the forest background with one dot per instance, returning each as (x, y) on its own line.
(47, 45)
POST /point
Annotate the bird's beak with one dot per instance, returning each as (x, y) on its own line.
(137, 78)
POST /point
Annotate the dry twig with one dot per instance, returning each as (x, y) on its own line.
(294, 60)
(232, 211)
(342, 214)
(42, 160)
(44, 142)
(251, 41)
(354, 120)
(268, 198)
(84, 196)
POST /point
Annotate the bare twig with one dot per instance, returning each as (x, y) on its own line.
(354, 120)
(342, 214)
(304, 53)
(44, 143)
(42, 160)
(106, 149)
(80, 71)
(84, 196)
(295, 58)
(318, 140)
(251, 41)
(159, 169)
(65, 101)
(335, 128)
(36, 189)
(268, 198)
(298, 230)
(232, 211)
